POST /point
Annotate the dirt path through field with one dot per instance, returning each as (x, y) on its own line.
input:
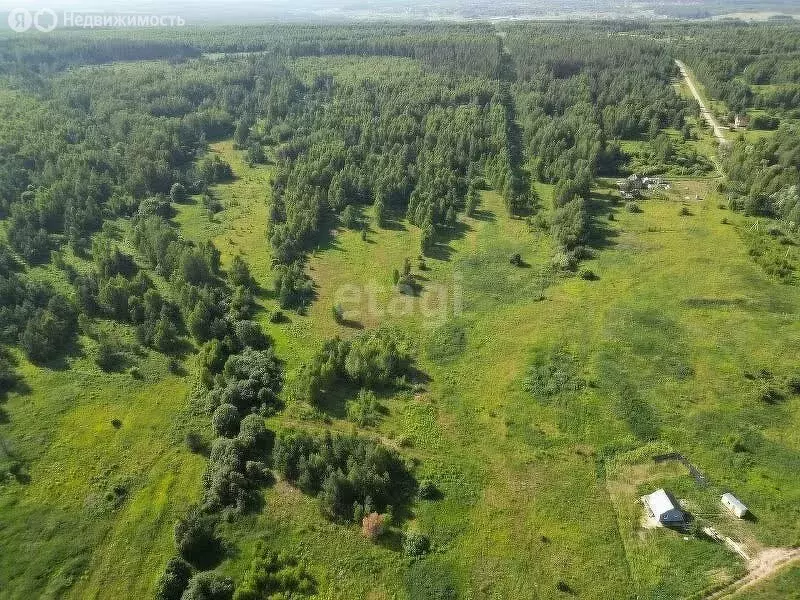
(707, 114)
(762, 566)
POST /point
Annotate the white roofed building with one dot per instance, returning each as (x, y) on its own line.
(733, 504)
(664, 508)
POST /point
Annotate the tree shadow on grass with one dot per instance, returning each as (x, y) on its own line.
(16, 468)
(10, 380)
(351, 323)
(442, 250)
(416, 375)
(484, 215)
(328, 237)
(260, 291)
(517, 261)
(211, 556)
(22, 476)
(394, 220)
(120, 364)
(411, 286)
(599, 234)
(181, 349)
(333, 402)
(392, 539)
(61, 362)
(394, 225)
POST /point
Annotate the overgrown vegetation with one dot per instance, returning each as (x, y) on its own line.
(351, 476)
(375, 359)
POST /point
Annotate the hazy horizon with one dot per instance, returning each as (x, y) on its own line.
(252, 11)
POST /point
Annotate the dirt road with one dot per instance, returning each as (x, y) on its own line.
(762, 566)
(707, 114)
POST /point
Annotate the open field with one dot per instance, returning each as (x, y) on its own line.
(650, 334)
(90, 492)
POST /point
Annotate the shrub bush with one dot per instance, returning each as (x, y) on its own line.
(564, 261)
(372, 526)
(209, 586)
(447, 342)
(427, 490)
(110, 354)
(195, 537)
(276, 576)
(250, 381)
(364, 410)
(415, 543)
(349, 217)
(253, 435)
(239, 273)
(250, 335)
(343, 471)
(174, 580)
(235, 467)
(430, 579)
(195, 442)
(770, 395)
(226, 420)
(553, 372)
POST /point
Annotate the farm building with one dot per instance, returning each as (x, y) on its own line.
(664, 508)
(733, 504)
(633, 186)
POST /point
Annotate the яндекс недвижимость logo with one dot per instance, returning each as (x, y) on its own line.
(22, 19)
(46, 20)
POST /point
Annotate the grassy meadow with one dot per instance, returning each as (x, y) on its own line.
(540, 393)
(652, 339)
(94, 508)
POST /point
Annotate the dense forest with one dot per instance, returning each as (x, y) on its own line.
(754, 72)
(733, 58)
(100, 144)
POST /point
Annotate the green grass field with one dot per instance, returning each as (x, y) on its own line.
(94, 508)
(651, 334)
(675, 340)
